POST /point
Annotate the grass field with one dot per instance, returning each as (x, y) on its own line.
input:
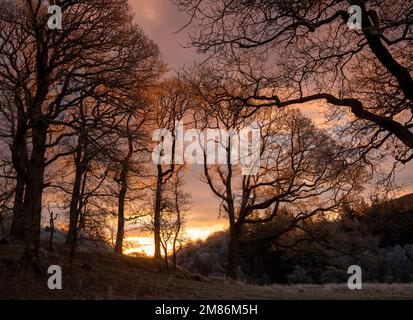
(100, 275)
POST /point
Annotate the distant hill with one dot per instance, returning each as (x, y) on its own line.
(405, 202)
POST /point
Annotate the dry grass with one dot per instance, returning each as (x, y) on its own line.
(341, 291)
(99, 275)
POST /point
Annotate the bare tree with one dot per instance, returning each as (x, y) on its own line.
(84, 186)
(300, 167)
(92, 124)
(7, 191)
(176, 204)
(7, 135)
(129, 165)
(172, 101)
(98, 52)
(289, 52)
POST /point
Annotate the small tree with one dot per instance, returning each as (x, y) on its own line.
(129, 157)
(172, 101)
(176, 205)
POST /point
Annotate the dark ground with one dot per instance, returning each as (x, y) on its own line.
(103, 275)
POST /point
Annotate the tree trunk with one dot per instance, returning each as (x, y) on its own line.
(33, 195)
(174, 251)
(79, 208)
(33, 209)
(157, 216)
(174, 258)
(233, 251)
(17, 229)
(123, 190)
(20, 163)
(165, 250)
(121, 214)
(74, 207)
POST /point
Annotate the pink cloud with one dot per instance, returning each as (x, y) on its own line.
(160, 19)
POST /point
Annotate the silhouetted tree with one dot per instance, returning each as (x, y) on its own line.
(299, 166)
(289, 52)
(128, 164)
(176, 204)
(172, 102)
(99, 52)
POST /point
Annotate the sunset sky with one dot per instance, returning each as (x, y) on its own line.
(160, 20)
(177, 151)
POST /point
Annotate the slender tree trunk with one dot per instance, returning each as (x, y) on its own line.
(18, 224)
(121, 213)
(174, 253)
(165, 250)
(176, 237)
(74, 206)
(157, 216)
(174, 258)
(123, 179)
(51, 223)
(79, 208)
